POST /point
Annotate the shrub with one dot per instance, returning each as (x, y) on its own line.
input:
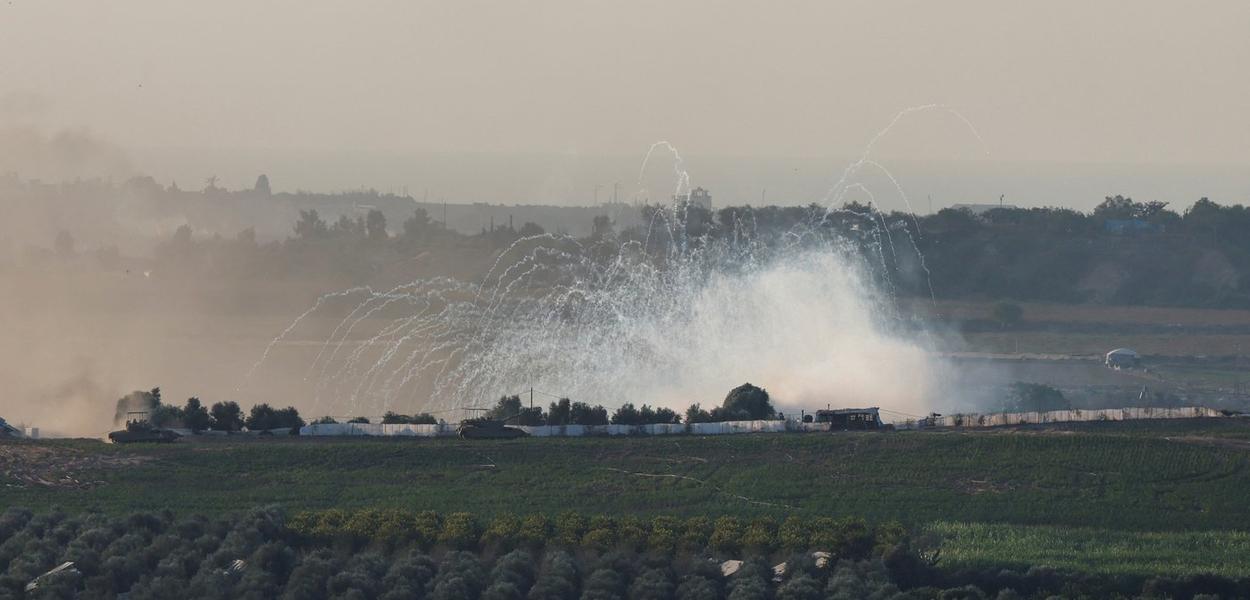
(726, 536)
(794, 535)
(695, 533)
(502, 532)
(535, 531)
(569, 528)
(426, 528)
(663, 536)
(459, 531)
(760, 536)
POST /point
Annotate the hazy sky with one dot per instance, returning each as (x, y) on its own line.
(185, 88)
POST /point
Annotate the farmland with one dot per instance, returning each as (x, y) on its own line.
(1086, 488)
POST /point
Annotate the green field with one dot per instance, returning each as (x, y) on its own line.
(1097, 551)
(1115, 498)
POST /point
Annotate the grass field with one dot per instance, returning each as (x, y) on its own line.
(1128, 498)
(1096, 551)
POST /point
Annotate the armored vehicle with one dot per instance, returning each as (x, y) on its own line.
(142, 431)
(483, 428)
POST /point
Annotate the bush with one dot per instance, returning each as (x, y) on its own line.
(726, 536)
(760, 536)
(794, 535)
(502, 533)
(1029, 397)
(695, 534)
(569, 528)
(459, 531)
(535, 531)
(663, 537)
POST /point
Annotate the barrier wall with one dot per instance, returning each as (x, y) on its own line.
(1073, 416)
(378, 429)
(730, 427)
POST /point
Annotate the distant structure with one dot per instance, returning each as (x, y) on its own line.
(850, 418)
(980, 209)
(697, 197)
(1123, 358)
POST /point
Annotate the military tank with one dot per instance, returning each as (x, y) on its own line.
(142, 431)
(482, 428)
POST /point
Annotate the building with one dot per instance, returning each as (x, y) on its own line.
(850, 418)
(697, 197)
(1123, 358)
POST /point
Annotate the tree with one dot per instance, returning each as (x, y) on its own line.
(288, 417)
(361, 420)
(416, 225)
(392, 418)
(262, 185)
(226, 416)
(1007, 314)
(560, 412)
(626, 415)
(262, 417)
(375, 225)
(310, 226)
(667, 416)
(696, 414)
(530, 229)
(748, 402)
(195, 416)
(581, 413)
(507, 408)
(326, 420)
(164, 415)
(1029, 397)
(1115, 207)
(649, 416)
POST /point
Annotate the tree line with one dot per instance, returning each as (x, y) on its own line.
(392, 555)
(1123, 251)
(147, 406)
(744, 403)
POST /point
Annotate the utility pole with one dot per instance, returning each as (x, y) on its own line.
(531, 398)
(615, 186)
(930, 203)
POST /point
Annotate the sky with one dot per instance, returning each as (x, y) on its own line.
(549, 99)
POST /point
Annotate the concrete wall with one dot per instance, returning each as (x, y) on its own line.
(973, 420)
(1074, 416)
